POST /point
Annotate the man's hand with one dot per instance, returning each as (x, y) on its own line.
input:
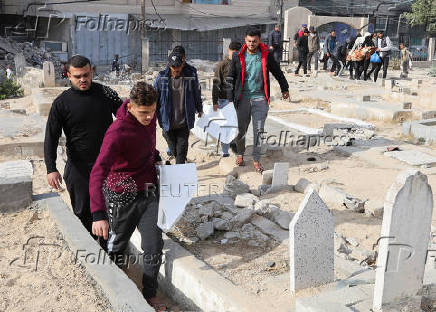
(378, 49)
(200, 114)
(328, 54)
(100, 228)
(54, 179)
(215, 107)
(271, 48)
(285, 95)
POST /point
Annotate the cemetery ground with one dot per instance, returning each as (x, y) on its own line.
(238, 224)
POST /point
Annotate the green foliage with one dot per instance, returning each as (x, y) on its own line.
(423, 13)
(9, 88)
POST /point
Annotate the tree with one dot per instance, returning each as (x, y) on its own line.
(423, 13)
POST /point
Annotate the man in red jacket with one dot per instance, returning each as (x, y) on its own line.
(122, 185)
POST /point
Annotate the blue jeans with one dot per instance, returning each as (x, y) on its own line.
(224, 146)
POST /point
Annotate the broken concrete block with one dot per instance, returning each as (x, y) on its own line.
(270, 228)
(374, 208)
(280, 174)
(204, 230)
(267, 176)
(230, 235)
(241, 218)
(245, 200)
(206, 211)
(263, 189)
(364, 256)
(354, 204)
(331, 194)
(282, 218)
(15, 185)
(221, 224)
(235, 187)
(277, 189)
(302, 185)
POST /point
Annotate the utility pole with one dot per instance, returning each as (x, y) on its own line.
(281, 12)
(145, 45)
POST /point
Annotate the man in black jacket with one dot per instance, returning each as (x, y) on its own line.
(84, 113)
(249, 88)
(275, 43)
(303, 50)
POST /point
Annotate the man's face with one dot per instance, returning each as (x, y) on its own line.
(401, 46)
(333, 34)
(176, 71)
(380, 35)
(80, 77)
(277, 28)
(144, 114)
(252, 43)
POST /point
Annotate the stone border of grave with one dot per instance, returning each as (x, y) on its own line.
(121, 292)
(195, 285)
(421, 129)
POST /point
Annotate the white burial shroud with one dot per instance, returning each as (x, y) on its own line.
(178, 184)
(222, 124)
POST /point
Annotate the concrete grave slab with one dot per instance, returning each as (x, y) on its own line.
(15, 185)
(311, 244)
(413, 157)
(425, 129)
(406, 228)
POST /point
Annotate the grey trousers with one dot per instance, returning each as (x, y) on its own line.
(256, 109)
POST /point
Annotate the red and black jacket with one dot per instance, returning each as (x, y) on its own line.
(235, 78)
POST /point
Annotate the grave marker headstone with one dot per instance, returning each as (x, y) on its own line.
(404, 239)
(280, 174)
(48, 76)
(20, 63)
(311, 244)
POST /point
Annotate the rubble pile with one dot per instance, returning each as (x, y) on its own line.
(230, 222)
(34, 56)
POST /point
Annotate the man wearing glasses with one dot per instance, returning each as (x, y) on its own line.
(84, 113)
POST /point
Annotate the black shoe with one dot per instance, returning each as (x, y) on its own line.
(226, 155)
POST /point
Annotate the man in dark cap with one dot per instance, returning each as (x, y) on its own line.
(179, 98)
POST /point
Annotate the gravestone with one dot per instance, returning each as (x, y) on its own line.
(366, 98)
(48, 75)
(15, 185)
(404, 239)
(407, 105)
(311, 244)
(280, 174)
(20, 63)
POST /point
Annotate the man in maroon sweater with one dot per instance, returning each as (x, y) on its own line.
(123, 196)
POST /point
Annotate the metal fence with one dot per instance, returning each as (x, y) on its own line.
(210, 50)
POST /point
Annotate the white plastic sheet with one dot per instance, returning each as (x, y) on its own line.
(178, 184)
(222, 124)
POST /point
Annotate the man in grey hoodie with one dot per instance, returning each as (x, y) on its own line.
(314, 46)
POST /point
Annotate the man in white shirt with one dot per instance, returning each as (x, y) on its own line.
(9, 72)
(384, 47)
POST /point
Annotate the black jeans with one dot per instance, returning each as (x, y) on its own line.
(277, 53)
(140, 213)
(302, 60)
(76, 178)
(177, 140)
(385, 64)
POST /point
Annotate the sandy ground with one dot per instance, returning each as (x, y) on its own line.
(37, 270)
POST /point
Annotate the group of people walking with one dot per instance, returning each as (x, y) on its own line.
(363, 55)
(111, 171)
